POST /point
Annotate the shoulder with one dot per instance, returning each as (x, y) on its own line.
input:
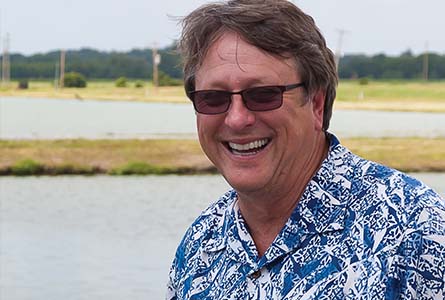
(378, 184)
(401, 219)
(380, 197)
(402, 193)
(420, 256)
(207, 228)
(209, 222)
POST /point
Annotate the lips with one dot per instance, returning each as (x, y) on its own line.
(249, 148)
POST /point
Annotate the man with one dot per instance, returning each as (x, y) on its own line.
(306, 218)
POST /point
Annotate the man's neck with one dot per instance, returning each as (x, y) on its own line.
(266, 212)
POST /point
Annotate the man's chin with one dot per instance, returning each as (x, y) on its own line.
(246, 183)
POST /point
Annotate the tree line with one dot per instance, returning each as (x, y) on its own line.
(94, 64)
(137, 64)
(405, 66)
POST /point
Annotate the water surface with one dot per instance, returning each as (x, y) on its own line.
(100, 237)
(22, 118)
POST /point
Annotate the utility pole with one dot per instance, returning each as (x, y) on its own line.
(62, 69)
(156, 61)
(1, 44)
(425, 63)
(6, 66)
(56, 76)
(1, 39)
(341, 33)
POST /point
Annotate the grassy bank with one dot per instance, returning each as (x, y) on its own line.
(98, 90)
(376, 95)
(126, 157)
(114, 157)
(392, 96)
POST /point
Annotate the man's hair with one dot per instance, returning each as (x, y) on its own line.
(275, 26)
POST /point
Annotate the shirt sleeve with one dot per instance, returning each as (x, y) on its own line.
(171, 285)
(421, 256)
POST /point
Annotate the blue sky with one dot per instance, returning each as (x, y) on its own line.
(373, 26)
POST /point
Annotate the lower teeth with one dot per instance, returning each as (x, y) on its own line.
(247, 152)
(244, 153)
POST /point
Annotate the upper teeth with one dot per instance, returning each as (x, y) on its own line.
(248, 146)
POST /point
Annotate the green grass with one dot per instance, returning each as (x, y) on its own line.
(141, 168)
(406, 154)
(351, 90)
(377, 94)
(29, 167)
(99, 90)
(392, 95)
(141, 157)
(26, 167)
(80, 156)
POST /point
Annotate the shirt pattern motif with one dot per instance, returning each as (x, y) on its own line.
(360, 231)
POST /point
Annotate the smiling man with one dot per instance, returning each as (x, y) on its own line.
(306, 218)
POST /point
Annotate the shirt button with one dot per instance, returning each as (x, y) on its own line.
(256, 274)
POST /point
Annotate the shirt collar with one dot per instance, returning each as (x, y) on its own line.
(321, 209)
(322, 206)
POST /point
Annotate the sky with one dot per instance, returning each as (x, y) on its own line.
(371, 26)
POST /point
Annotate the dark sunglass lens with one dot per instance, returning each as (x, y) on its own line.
(263, 98)
(211, 102)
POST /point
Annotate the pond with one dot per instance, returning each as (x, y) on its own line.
(22, 118)
(100, 237)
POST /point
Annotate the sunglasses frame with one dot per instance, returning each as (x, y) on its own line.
(282, 88)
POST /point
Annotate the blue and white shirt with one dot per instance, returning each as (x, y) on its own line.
(360, 231)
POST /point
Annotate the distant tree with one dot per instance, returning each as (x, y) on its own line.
(139, 84)
(137, 64)
(171, 61)
(363, 81)
(74, 79)
(165, 80)
(23, 84)
(408, 53)
(121, 82)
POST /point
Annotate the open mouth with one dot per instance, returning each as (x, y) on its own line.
(247, 149)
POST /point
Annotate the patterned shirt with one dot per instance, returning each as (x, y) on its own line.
(360, 231)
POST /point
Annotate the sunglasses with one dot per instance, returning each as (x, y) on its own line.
(262, 98)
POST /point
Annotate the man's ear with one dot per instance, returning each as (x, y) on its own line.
(318, 100)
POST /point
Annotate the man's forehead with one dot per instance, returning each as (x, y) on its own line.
(231, 46)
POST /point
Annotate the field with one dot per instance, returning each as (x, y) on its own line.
(376, 95)
(98, 90)
(392, 96)
(185, 156)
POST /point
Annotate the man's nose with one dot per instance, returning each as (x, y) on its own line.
(239, 116)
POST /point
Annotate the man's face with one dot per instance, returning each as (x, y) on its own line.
(256, 151)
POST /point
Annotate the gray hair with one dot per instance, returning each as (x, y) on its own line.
(275, 26)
